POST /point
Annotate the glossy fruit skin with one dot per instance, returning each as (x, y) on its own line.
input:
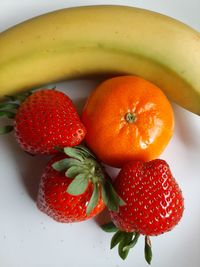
(47, 119)
(154, 201)
(54, 200)
(115, 140)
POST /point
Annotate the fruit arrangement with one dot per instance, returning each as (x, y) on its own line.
(126, 122)
(75, 186)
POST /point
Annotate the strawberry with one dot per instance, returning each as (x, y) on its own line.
(45, 119)
(154, 204)
(74, 187)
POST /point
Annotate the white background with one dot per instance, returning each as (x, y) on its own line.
(28, 238)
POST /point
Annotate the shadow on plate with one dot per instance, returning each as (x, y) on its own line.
(29, 168)
(187, 128)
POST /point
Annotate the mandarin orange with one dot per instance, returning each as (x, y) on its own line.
(127, 118)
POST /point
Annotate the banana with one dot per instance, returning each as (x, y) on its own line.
(85, 41)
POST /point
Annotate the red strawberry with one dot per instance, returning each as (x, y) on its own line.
(72, 187)
(154, 204)
(46, 119)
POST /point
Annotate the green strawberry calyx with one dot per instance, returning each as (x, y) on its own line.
(9, 108)
(82, 166)
(126, 241)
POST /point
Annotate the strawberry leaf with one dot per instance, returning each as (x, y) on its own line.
(78, 185)
(74, 153)
(85, 151)
(93, 200)
(73, 171)
(64, 164)
(126, 239)
(21, 97)
(133, 242)
(117, 237)
(104, 193)
(109, 227)
(110, 197)
(9, 106)
(7, 113)
(148, 250)
(6, 129)
(121, 201)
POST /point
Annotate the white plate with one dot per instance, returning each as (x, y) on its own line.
(28, 238)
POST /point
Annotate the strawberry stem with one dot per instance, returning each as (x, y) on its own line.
(148, 250)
